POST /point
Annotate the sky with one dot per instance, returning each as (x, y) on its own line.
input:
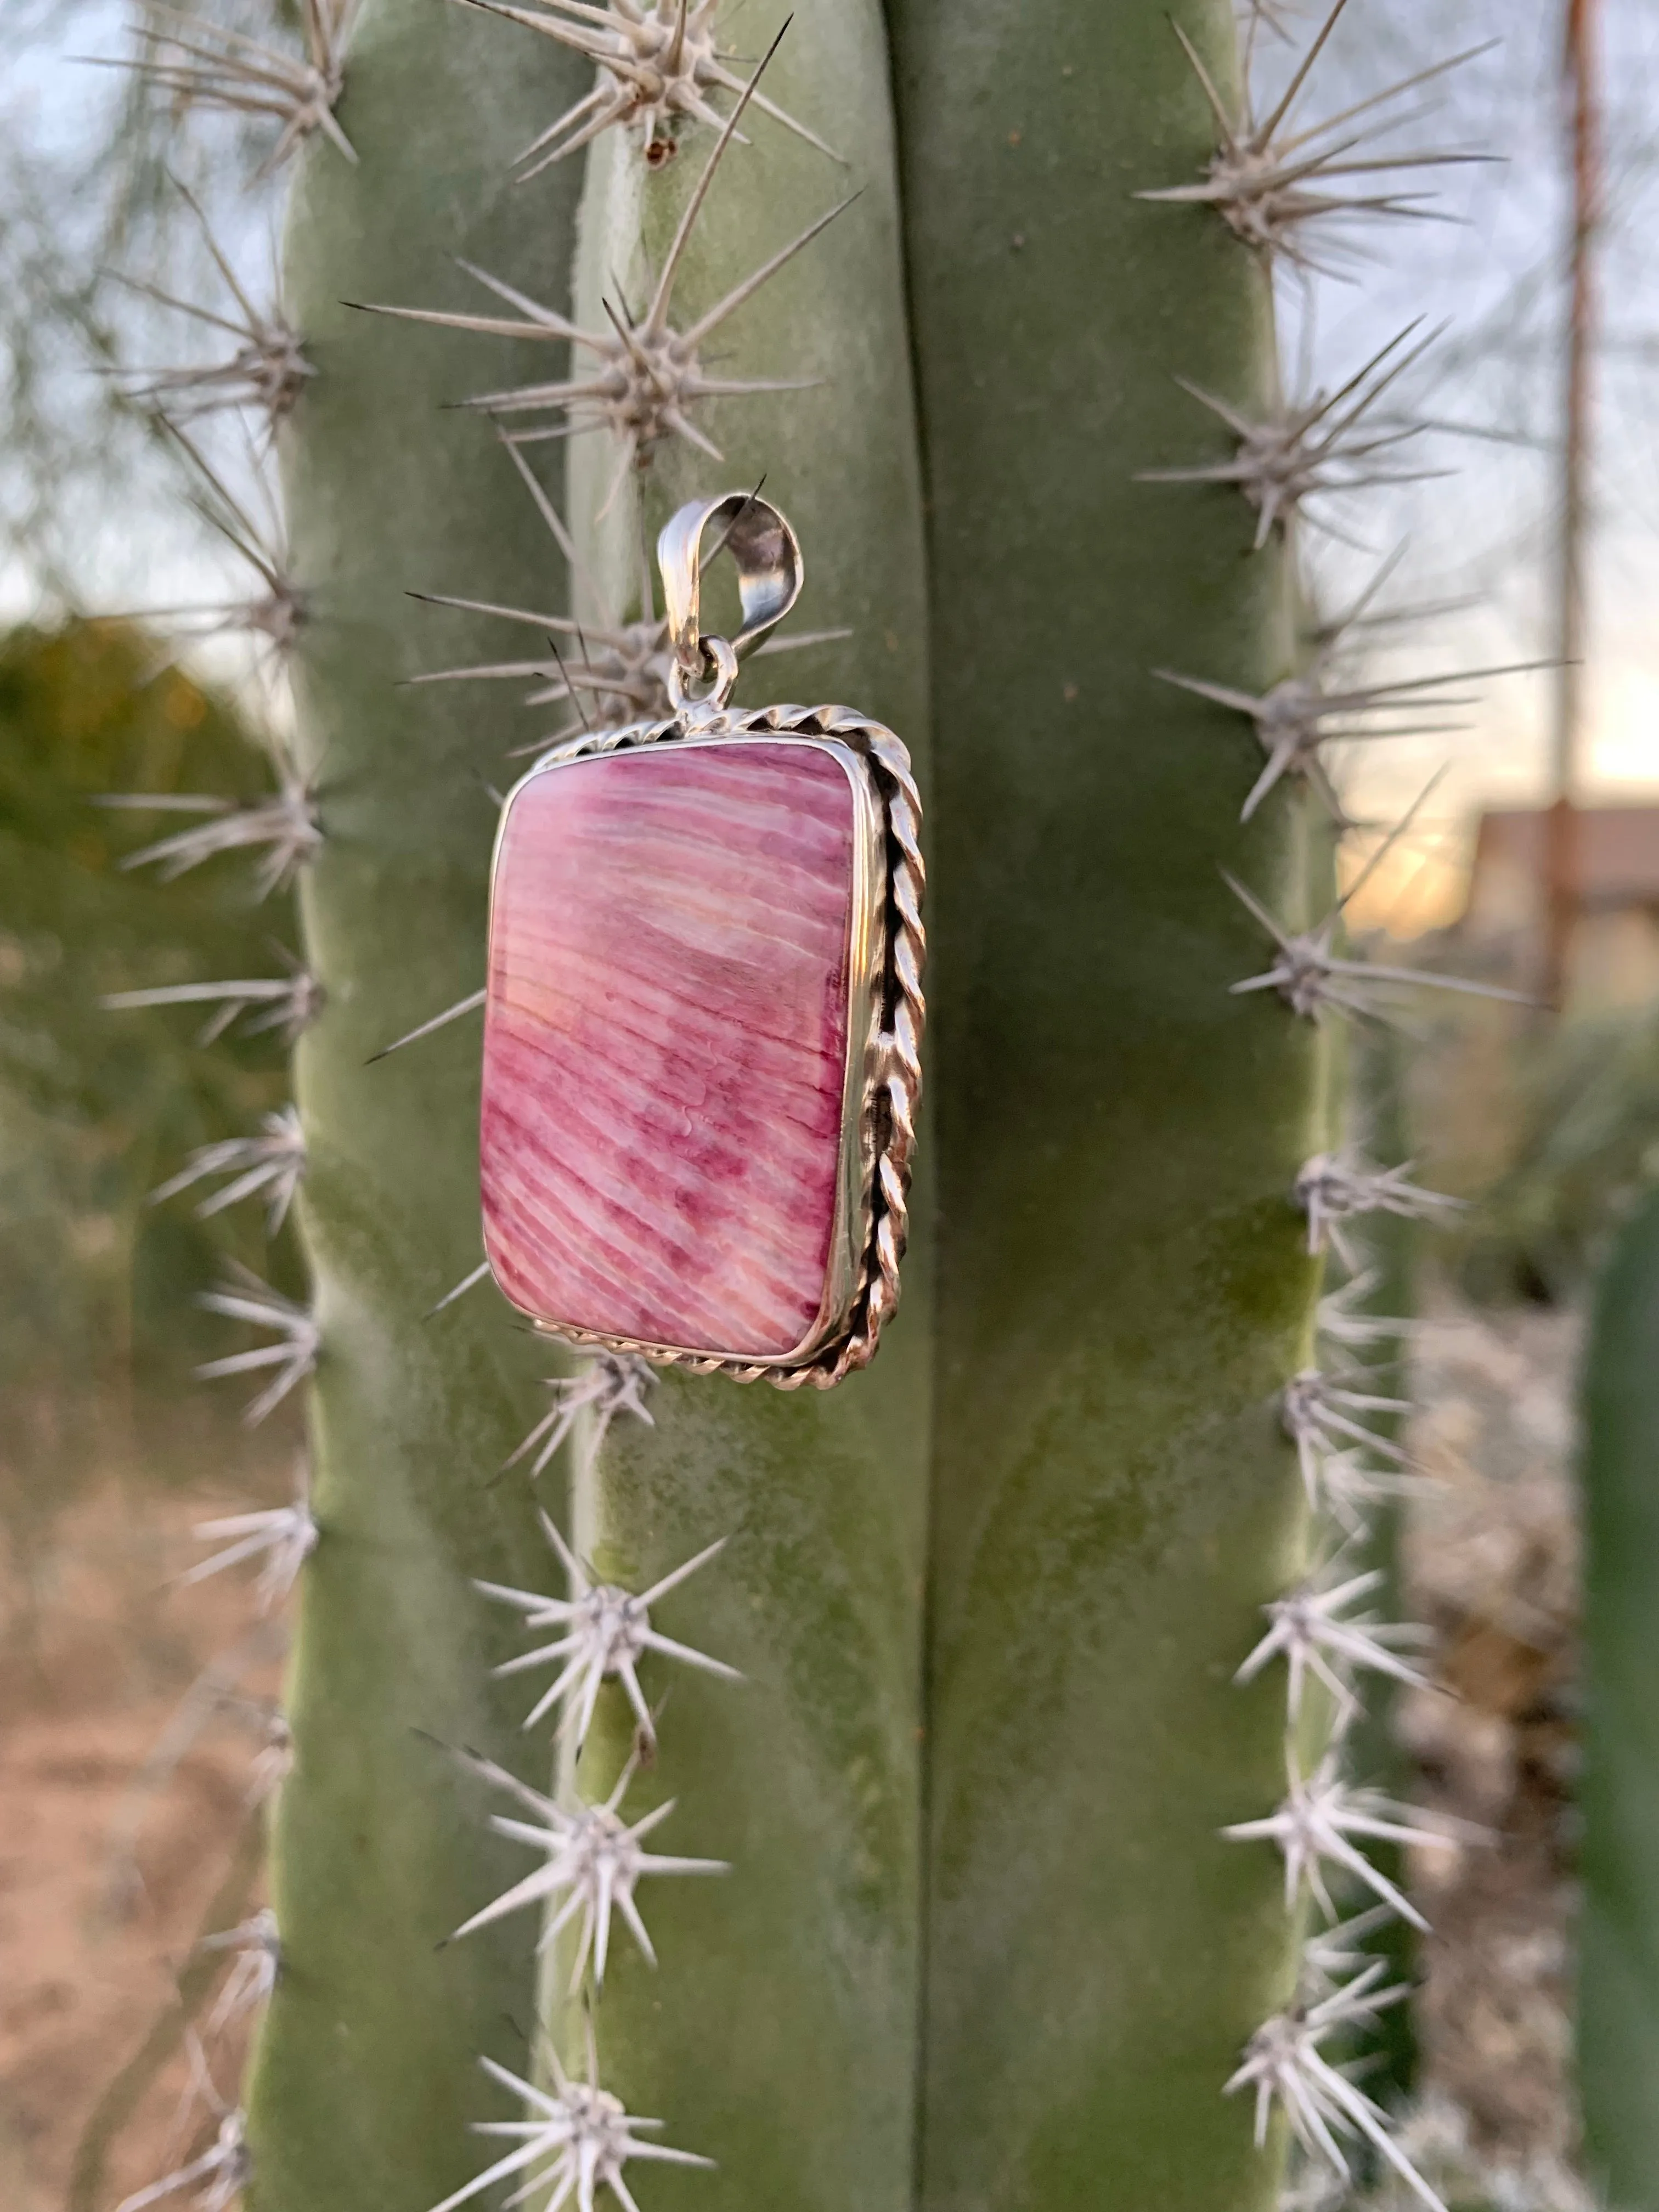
(1492, 272)
(1488, 274)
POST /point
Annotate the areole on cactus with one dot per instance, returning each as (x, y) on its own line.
(969, 1696)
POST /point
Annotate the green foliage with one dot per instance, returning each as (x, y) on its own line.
(96, 1109)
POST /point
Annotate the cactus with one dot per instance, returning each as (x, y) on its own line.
(1105, 1523)
(1020, 1826)
(1618, 1958)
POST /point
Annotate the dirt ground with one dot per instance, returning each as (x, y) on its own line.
(1492, 1566)
(109, 1868)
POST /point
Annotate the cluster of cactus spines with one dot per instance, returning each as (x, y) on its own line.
(603, 1632)
(222, 2171)
(1320, 1415)
(1298, 452)
(616, 671)
(579, 2136)
(1318, 982)
(272, 615)
(267, 371)
(1314, 1632)
(256, 1954)
(284, 1536)
(605, 1385)
(659, 65)
(293, 1355)
(285, 1004)
(1345, 1321)
(1286, 2067)
(283, 828)
(1315, 1824)
(202, 63)
(268, 1164)
(594, 1861)
(1335, 1188)
(274, 1761)
(1299, 716)
(1266, 179)
(647, 375)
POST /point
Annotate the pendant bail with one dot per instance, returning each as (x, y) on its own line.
(770, 572)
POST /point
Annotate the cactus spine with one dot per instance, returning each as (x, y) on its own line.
(1004, 1915)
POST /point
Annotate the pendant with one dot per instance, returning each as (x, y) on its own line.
(704, 1011)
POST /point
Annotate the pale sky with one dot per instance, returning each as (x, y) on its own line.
(1495, 276)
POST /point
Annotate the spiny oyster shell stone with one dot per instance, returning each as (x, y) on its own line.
(666, 1043)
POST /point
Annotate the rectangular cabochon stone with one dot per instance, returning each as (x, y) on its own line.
(666, 1043)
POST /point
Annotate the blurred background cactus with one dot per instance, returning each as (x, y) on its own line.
(1092, 1758)
(99, 1325)
(1619, 1967)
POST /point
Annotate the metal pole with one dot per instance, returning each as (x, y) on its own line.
(1563, 864)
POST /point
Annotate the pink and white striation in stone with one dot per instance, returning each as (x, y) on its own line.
(666, 1043)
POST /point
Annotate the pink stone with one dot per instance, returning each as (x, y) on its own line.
(666, 1043)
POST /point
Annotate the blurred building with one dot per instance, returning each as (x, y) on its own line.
(1614, 884)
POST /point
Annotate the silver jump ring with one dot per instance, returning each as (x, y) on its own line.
(768, 557)
(716, 659)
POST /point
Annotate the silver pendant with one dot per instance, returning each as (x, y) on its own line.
(704, 1011)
